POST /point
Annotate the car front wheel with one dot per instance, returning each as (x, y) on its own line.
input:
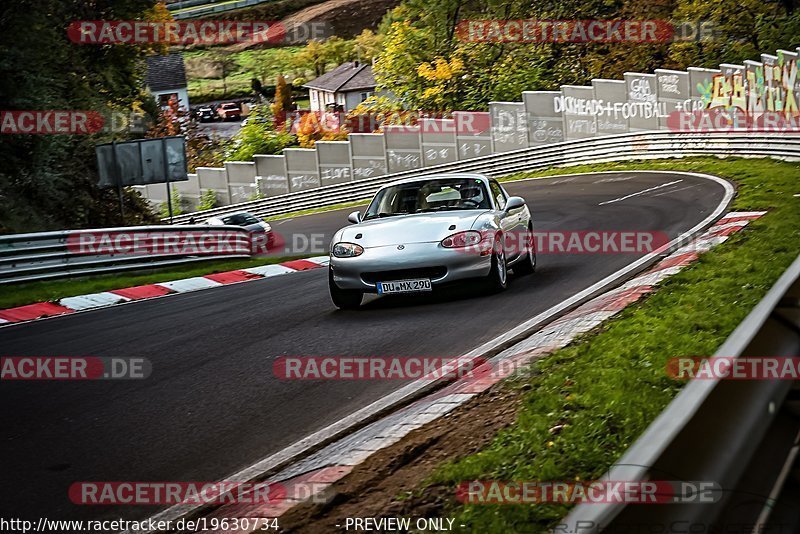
(528, 264)
(497, 280)
(344, 299)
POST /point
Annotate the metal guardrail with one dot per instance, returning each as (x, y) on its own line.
(183, 4)
(648, 145)
(46, 255)
(740, 434)
(221, 7)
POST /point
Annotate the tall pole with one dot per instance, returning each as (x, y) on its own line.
(166, 176)
(118, 179)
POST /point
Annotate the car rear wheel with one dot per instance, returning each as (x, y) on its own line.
(527, 265)
(497, 280)
(344, 299)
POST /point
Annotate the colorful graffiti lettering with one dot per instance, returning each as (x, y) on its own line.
(773, 86)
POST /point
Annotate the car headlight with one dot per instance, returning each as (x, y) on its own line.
(347, 250)
(462, 239)
(265, 226)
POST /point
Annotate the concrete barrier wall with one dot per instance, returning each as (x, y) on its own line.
(612, 109)
(754, 79)
(789, 81)
(302, 168)
(156, 194)
(241, 180)
(728, 87)
(545, 117)
(473, 134)
(641, 94)
(701, 84)
(772, 85)
(271, 177)
(189, 191)
(580, 112)
(403, 148)
(438, 138)
(509, 126)
(367, 155)
(333, 158)
(663, 100)
(216, 179)
(673, 94)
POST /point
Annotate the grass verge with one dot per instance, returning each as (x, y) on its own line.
(312, 211)
(589, 401)
(52, 290)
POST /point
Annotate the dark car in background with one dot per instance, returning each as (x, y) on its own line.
(206, 114)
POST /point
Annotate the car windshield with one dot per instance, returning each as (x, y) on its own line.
(240, 219)
(435, 194)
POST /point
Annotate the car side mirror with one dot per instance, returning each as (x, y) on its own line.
(354, 217)
(514, 203)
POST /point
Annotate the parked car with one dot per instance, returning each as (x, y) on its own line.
(422, 232)
(229, 111)
(206, 114)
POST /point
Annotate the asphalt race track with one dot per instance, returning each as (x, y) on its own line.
(212, 405)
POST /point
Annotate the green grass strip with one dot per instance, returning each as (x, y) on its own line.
(606, 388)
(12, 295)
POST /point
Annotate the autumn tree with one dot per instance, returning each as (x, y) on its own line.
(48, 182)
(158, 13)
(367, 45)
(283, 99)
(315, 127)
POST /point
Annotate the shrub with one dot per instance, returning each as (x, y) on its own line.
(208, 200)
(178, 204)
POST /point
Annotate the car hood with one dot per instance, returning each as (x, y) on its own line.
(416, 228)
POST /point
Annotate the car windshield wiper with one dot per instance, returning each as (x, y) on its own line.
(445, 208)
(385, 214)
(437, 208)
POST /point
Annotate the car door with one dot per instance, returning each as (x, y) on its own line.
(509, 221)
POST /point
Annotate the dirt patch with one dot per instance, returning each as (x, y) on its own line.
(386, 483)
(266, 11)
(200, 67)
(347, 17)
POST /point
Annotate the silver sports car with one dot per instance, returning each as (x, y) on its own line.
(426, 231)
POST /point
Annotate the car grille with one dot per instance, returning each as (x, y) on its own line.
(404, 274)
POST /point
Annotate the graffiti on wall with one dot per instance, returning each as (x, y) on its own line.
(757, 95)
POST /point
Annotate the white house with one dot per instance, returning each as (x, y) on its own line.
(347, 86)
(166, 78)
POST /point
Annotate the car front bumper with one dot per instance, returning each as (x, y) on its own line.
(458, 264)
